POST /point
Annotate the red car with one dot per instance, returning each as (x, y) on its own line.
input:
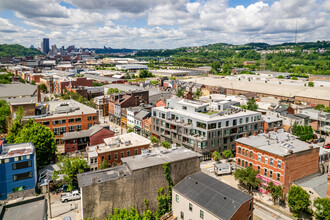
(327, 146)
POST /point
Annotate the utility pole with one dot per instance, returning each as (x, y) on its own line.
(49, 203)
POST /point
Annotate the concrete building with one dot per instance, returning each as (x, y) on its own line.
(204, 126)
(130, 184)
(131, 67)
(65, 116)
(317, 119)
(113, 149)
(200, 196)
(279, 156)
(272, 123)
(78, 140)
(18, 170)
(45, 46)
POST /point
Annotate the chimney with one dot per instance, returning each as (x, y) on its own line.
(38, 93)
(275, 129)
(246, 135)
(328, 187)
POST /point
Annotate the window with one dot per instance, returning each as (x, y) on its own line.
(56, 131)
(190, 207)
(250, 165)
(78, 127)
(219, 124)
(89, 118)
(91, 160)
(241, 120)
(250, 206)
(246, 164)
(212, 126)
(77, 119)
(201, 214)
(246, 120)
(259, 157)
(239, 162)
(177, 198)
(94, 118)
(271, 161)
(265, 172)
(234, 122)
(71, 128)
(271, 174)
(184, 107)
(258, 168)
(121, 154)
(109, 157)
(279, 164)
(63, 130)
(71, 120)
(136, 151)
(116, 156)
(182, 215)
(89, 125)
(227, 123)
(127, 153)
(239, 150)
(22, 165)
(266, 160)
(243, 152)
(55, 122)
(102, 158)
(251, 154)
(45, 123)
(63, 121)
(201, 125)
(22, 176)
(278, 177)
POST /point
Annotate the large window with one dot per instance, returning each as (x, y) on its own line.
(45, 123)
(201, 214)
(22, 165)
(71, 120)
(182, 215)
(265, 172)
(63, 130)
(78, 127)
(63, 121)
(190, 207)
(78, 119)
(266, 160)
(56, 131)
(279, 164)
(212, 126)
(201, 125)
(239, 150)
(271, 161)
(71, 128)
(271, 174)
(22, 176)
(55, 122)
(278, 177)
(177, 198)
(259, 157)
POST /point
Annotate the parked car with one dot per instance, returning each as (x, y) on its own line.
(327, 146)
(222, 168)
(320, 140)
(70, 196)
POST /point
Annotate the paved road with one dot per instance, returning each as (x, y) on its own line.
(265, 212)
(61, 210)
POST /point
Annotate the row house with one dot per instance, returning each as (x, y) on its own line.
(61, 85)
(279, 157)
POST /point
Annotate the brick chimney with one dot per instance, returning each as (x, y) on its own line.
(328, 187)
(38, 93)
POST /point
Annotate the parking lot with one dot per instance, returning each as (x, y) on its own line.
(61, 210)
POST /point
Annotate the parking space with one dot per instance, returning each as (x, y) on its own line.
(61, 210)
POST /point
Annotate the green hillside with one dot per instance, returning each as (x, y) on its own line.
(16, 50)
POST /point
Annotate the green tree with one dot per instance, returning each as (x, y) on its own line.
(215, 67)
(166, 144)
(42, 138)
(251, 105)
(130, 130)
(104, 164)
(43, 88)
(275, 191)
(16, 126)
(227, 154)
(97, 84)
(179, 92)
(154, 140)
(298, 201)
(69, 168)
(4, 116)
(319, 107)
(216, 156)
(310, 84)
(248, 178)
(197, 94)
(294, 78)
(145, 74)
(112, 90)
(280, 77)
(322, 206)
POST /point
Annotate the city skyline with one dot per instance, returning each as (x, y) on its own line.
(162, 24)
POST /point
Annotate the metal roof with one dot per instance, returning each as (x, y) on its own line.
(84, 133)
(142, 114)
(17, 90)
(212, 195)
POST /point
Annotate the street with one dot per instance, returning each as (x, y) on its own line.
(61, 210)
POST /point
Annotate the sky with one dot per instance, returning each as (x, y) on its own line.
(157, 24)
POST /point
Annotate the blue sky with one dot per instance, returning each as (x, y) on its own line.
(161, 23)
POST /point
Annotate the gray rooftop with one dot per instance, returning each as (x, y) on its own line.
(142, 114)
(84, 133)
(211, 194)
(154, 159)
(123, 87)
(17, 90)
(15, 150)
(35, 208)
(317, 182)
(101, 78)
(271, 118)
(278, 143)
(101, 176)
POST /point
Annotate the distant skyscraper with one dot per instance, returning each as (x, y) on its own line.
(45, 45)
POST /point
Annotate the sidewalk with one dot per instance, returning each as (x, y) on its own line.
(279, 214)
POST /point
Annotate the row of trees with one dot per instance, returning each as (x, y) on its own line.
(226, 154)
(302, 131)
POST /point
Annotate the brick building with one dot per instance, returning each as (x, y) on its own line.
(272, 123)
(78, 140)
(115, 148)
(279, 156)
(60, 85)
(65, 116)
(200, 196)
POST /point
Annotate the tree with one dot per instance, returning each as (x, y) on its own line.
(42, 138)
(298, 201)
(69, 168)
(319, 107)
(145, 74)
(197, 94)
(215, 67)
(43, 88)
(112, 90)
(275, 191)
(247, 177)
(311, 84)
(33, 82)
(179, 92)
(322, 206)
(16, 125)
(154, 140)
(216, 156)
(227, 154)
(294, 78)
(166, 144)
(280, 77)
(104, 164)
(130, 130)
(4, 115)
(251, 105)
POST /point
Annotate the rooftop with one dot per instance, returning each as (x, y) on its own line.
(84, 133)
(279, 143)
(271, 118)
(211, 194)
(17, 90)
(122, 142)
(317, 182)
(16, 150)
(154, 159)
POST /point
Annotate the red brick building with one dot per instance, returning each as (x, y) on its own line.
(279, 156)
(61, 85)
(272, 123)
(65, 116)
(78, 140)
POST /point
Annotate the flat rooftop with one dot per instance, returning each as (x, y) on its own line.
(278, 143)
(17, 90)
(153, 159)
(271, 118)
(267, 88)
(16, 150)
(123, 141)
(317, 182)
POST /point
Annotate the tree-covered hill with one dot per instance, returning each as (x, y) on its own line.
(16, 50)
